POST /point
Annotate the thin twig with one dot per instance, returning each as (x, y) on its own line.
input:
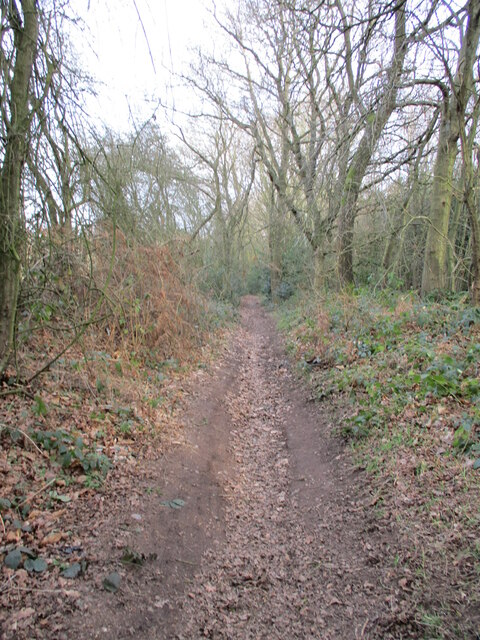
(3, 524)
(37, 589)
(193, 564)
(45, 486)
(7, 585)
(146, 37)
(17, 390)
(362, 635)
(25, 435)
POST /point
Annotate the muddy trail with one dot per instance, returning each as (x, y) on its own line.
(276, 534)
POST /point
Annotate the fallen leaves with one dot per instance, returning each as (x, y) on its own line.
(112, 582)
(37, 565)
(12, 536)
(412, 385)
(273, 578)
(23, 614)
(54, 537)
(13, 559)
(47, 510)
(176, 503)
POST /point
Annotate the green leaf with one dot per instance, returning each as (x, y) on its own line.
(66, 459)
(40, 408)
(133, 557)
(39, 565)
(72, 572)
(112, 582)
(5, 504)
(177, 503)
(13, 559)
(15, 435)
(476, 464)
(59, 496)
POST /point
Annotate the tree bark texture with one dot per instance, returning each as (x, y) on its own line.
(435, 275)
(475, 225)
(374, 126)
(17, 129)
(275, 243)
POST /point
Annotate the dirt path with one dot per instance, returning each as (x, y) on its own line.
(278, 537)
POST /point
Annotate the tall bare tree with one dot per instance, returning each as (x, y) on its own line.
(455, 97)
(374, 123)
(19, 33)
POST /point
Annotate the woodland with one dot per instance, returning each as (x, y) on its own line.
(329, 164)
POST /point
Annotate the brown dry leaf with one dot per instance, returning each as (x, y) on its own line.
(44, 623)
(52, 538)
(55, 515)
(34, 514)
(23, 614)
(403, 583)
(21, 577)
(13, 536)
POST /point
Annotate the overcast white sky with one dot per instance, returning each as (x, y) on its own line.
(118, 53)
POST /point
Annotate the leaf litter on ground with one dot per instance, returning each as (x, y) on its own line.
(56, 468)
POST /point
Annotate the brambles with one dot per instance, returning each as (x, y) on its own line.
(70, 451)
(389, 358)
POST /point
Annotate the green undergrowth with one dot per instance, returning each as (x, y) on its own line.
(401, 378)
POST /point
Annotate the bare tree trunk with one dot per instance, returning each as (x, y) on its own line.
(275, 268)
(395, 242)
(475, 225)
(394, 246)
(435, 275)
(346, 223)
(453, 257)
(275, 244)
(471, 199)
(319, 270)
(11, 227)
(374, 126)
